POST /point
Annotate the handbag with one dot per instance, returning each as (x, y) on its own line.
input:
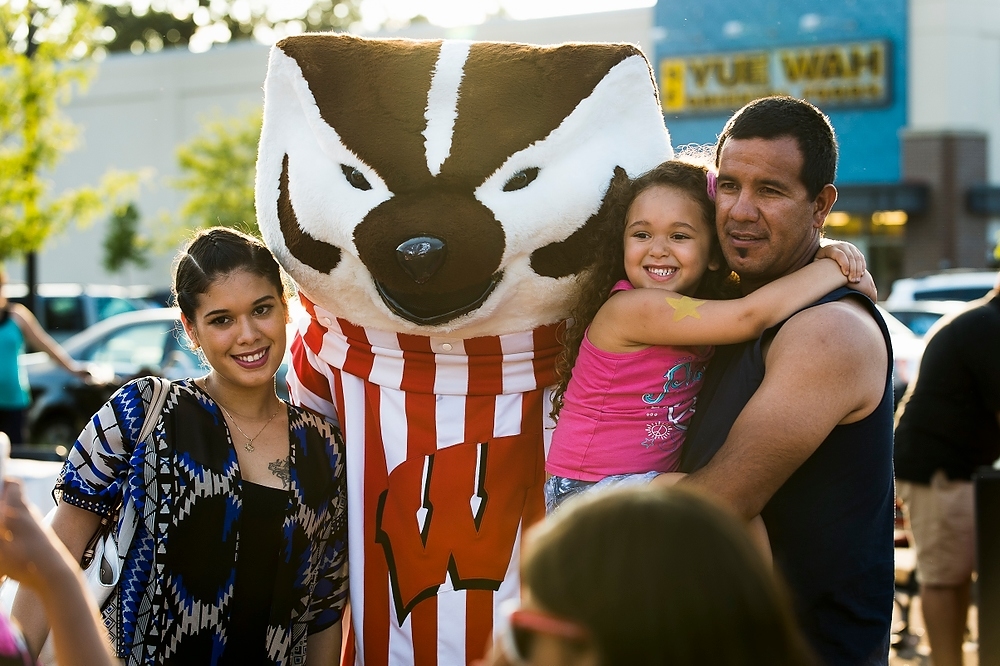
(105, 554)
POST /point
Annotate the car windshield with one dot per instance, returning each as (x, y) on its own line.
(132, 347)
(108, 306)
(952, 294)
(63, 314)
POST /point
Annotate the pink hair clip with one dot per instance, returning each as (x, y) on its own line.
(712, 184)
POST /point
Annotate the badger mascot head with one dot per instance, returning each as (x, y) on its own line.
(435, 203)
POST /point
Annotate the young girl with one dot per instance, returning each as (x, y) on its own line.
(239, 553)
(636, 353)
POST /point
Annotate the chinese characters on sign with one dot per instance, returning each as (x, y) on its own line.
(829, 75)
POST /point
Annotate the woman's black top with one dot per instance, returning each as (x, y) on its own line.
(257, 560)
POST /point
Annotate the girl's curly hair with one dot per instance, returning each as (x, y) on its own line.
(609, 267)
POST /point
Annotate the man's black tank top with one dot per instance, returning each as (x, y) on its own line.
(831, 523)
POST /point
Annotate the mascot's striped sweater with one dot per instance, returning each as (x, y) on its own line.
(435, 203)
(446, 452)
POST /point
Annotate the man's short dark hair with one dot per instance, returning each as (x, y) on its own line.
(781, 116)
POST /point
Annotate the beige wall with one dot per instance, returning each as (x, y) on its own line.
(954, 70)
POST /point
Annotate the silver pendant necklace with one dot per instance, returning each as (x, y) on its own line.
(249, 443)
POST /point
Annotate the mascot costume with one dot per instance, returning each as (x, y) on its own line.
(435, 202)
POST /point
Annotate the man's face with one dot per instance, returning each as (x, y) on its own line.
(767, 223)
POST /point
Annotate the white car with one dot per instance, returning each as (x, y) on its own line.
(907, 348)
(953, 285)
(920, 316)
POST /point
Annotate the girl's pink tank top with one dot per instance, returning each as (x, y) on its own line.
(626, 413)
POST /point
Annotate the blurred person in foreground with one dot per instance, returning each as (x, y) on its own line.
(17, 327)
(646, 576)
(31, 554)
(947, 425)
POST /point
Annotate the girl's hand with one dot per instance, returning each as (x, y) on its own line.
(848, 257)
(866, 285)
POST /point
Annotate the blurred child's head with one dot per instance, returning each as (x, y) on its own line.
(658, 576)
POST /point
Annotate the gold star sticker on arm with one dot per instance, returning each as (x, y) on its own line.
(685, 306)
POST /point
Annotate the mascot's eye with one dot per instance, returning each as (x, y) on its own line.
(355, 178)
(521, 179)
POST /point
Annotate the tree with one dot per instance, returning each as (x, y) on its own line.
(217, 171)
(123, 245)
(45, 44)
(176, 23)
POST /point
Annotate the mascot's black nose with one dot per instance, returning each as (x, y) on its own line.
(420, 257)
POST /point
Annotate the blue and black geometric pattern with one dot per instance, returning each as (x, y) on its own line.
(173, 603)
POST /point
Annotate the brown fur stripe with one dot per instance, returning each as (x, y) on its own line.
(312, 252)
(520, 94)
(373, 93)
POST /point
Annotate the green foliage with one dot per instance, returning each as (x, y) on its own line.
(217, 171)
(152, 29)
(174, 22)
(123, 244)
(44, 45)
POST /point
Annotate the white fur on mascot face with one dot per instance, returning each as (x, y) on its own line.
(434, 188)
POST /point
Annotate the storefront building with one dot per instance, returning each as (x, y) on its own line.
(914, 196)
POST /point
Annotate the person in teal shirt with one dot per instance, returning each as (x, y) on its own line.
(17, 327)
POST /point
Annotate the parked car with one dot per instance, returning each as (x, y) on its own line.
(122, 347)
(66, 309)
(919, 316)
(952, 285)
(907, 348)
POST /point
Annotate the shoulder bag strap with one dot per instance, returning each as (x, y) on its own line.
(160, 389)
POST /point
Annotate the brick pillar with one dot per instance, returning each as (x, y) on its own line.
(947, 235)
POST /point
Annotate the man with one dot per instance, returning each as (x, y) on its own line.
(797, 426)
(948, 425)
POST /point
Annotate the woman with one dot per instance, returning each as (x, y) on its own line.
(647, 576)
(17, 326)
(240, 557)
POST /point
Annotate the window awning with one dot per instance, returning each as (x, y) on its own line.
(871, 197)
(983, 199)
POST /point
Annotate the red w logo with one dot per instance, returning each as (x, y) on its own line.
(455, 512)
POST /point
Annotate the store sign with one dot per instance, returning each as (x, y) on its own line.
(829, 75)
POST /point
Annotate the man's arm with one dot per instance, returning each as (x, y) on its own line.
(825, 367)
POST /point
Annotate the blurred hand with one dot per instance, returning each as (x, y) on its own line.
(85, 375)
(96, 373)
(28, 548)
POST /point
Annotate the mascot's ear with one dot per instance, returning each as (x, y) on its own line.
(620, 179)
